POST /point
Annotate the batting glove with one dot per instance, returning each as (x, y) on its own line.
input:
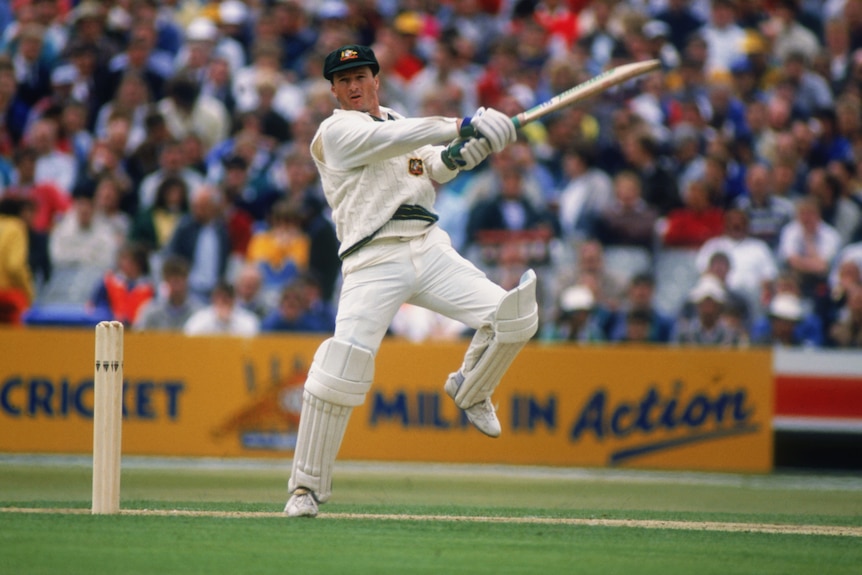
(468, 130)
(466, 154)
(495, 126)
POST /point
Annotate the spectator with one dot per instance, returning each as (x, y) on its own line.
(16, 280)
(109, 157)
(13, 110)
(123, 291)
(657, 34)
(107, 198)
(172, 163)
(682, 22)
(186, 111)
(202, 238)
(629, 220)
(836, 209)
(657, 183)
(708, 327)
(199, 51)
(502, 67)
(90, 49)
(638, 308)
(830, 144)
(846, 272)
(299, 179)
(155, 226)
(48, 201)
(767, 213)
(688, 161)
(281, 252)
(292, 314)
(32, 73)
(174, 304)
(82, 239)
(784, 326)
(637, 327)
(232, 20)
(222, 316)
(752, 264)
(142, 59)
(724, 37)
(276, 126)
(808, 246)
(217, 82)
(736, 303)
(295, 33)
(785, 33)
(287, 99)
(75, 138)
(809, 92)
(144, 158)
(249, 293)
(444, 69)
(696, 222)
(578, 319)
(602, 39)
(586, 193)
(508, 209)
(255, 198)
(63, 80)
(52, 164)
(836, 39)
(132, 101)
(607, 286)
(847, 329)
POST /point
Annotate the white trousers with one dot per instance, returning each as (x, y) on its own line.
(425, 271)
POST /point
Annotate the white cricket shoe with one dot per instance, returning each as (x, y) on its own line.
(482, 415)
(301, 504)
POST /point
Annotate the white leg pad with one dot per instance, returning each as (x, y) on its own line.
(338, 380)
(495, 346)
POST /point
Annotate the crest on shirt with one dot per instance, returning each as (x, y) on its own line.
(416, 167)
(349, 54)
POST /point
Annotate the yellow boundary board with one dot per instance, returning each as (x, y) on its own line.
(660, 408)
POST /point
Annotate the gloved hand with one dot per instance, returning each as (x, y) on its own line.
(493, 125)
(466, 154)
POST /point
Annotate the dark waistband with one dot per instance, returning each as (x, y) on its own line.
(404, 212)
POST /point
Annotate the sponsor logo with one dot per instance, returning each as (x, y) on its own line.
(44, 398)
(662, 418)
(270, 419)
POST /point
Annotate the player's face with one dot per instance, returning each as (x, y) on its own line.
(356, 89)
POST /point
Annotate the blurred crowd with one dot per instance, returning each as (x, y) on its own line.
(155, 165)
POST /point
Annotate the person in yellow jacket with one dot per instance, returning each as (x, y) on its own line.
(281, 251)
(16, 281)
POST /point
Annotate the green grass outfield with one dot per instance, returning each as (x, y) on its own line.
(209, 516)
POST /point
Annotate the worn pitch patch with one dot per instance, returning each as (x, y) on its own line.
(777, 528)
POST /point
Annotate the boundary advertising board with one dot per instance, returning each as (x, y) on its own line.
(660, 408)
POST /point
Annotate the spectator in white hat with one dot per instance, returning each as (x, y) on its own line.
(787, 324)
(578, 317)
(708, 327)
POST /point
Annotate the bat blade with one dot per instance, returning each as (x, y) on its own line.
(584, 90)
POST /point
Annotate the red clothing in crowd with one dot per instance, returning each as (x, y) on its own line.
(688, 228)
(50, 202)
(124, 299)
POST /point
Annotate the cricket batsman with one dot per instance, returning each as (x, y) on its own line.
(376, 168)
